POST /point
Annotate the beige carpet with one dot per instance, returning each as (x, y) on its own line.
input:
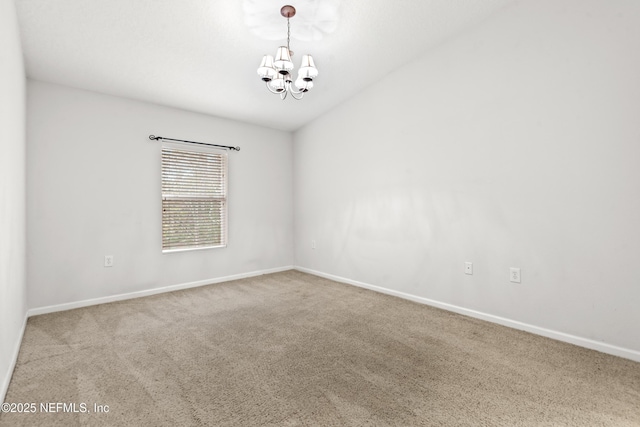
(292, 349)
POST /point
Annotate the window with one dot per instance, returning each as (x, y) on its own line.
(194, 198)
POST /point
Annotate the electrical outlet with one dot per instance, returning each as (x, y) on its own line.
(108, 260)
(313, 244)
(514, 275)
(468, 268)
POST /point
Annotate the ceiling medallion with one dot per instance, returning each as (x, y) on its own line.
(315, 19)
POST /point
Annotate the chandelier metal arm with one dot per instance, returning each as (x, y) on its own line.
(292, 90)
(293, 94)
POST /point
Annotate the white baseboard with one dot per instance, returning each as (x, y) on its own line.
(4, 386)
(560, 336)
(148, 292)
(14, 359)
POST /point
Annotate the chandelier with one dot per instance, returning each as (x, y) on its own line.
(277, 73)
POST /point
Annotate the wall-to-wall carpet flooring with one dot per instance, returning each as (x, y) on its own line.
(290, 349)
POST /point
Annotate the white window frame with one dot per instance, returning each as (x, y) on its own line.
(183, 147)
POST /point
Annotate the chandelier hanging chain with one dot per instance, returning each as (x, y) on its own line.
(288, 35)
(276, 73)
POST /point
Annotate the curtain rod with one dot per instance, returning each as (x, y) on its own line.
(157, 138)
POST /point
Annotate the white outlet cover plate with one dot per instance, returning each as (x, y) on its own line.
(468, 268)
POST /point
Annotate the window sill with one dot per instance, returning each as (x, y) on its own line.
(168, 251)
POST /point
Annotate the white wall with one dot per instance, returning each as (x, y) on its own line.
(93, 189)
(516, 144)
(12, 193)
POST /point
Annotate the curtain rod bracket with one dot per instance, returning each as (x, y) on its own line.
(158, 138)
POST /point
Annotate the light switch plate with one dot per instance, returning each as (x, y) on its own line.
(108, 260)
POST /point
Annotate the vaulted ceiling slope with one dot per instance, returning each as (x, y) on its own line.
(202, 56)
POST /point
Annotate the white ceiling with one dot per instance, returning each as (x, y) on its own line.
(200, 56)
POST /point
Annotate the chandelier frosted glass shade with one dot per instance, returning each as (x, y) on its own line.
(266, 70)
(304, 85)
(283, 63)
(276, 72)
(277, 85)
(308, 70)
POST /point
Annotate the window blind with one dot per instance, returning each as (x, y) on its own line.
(194, 199)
